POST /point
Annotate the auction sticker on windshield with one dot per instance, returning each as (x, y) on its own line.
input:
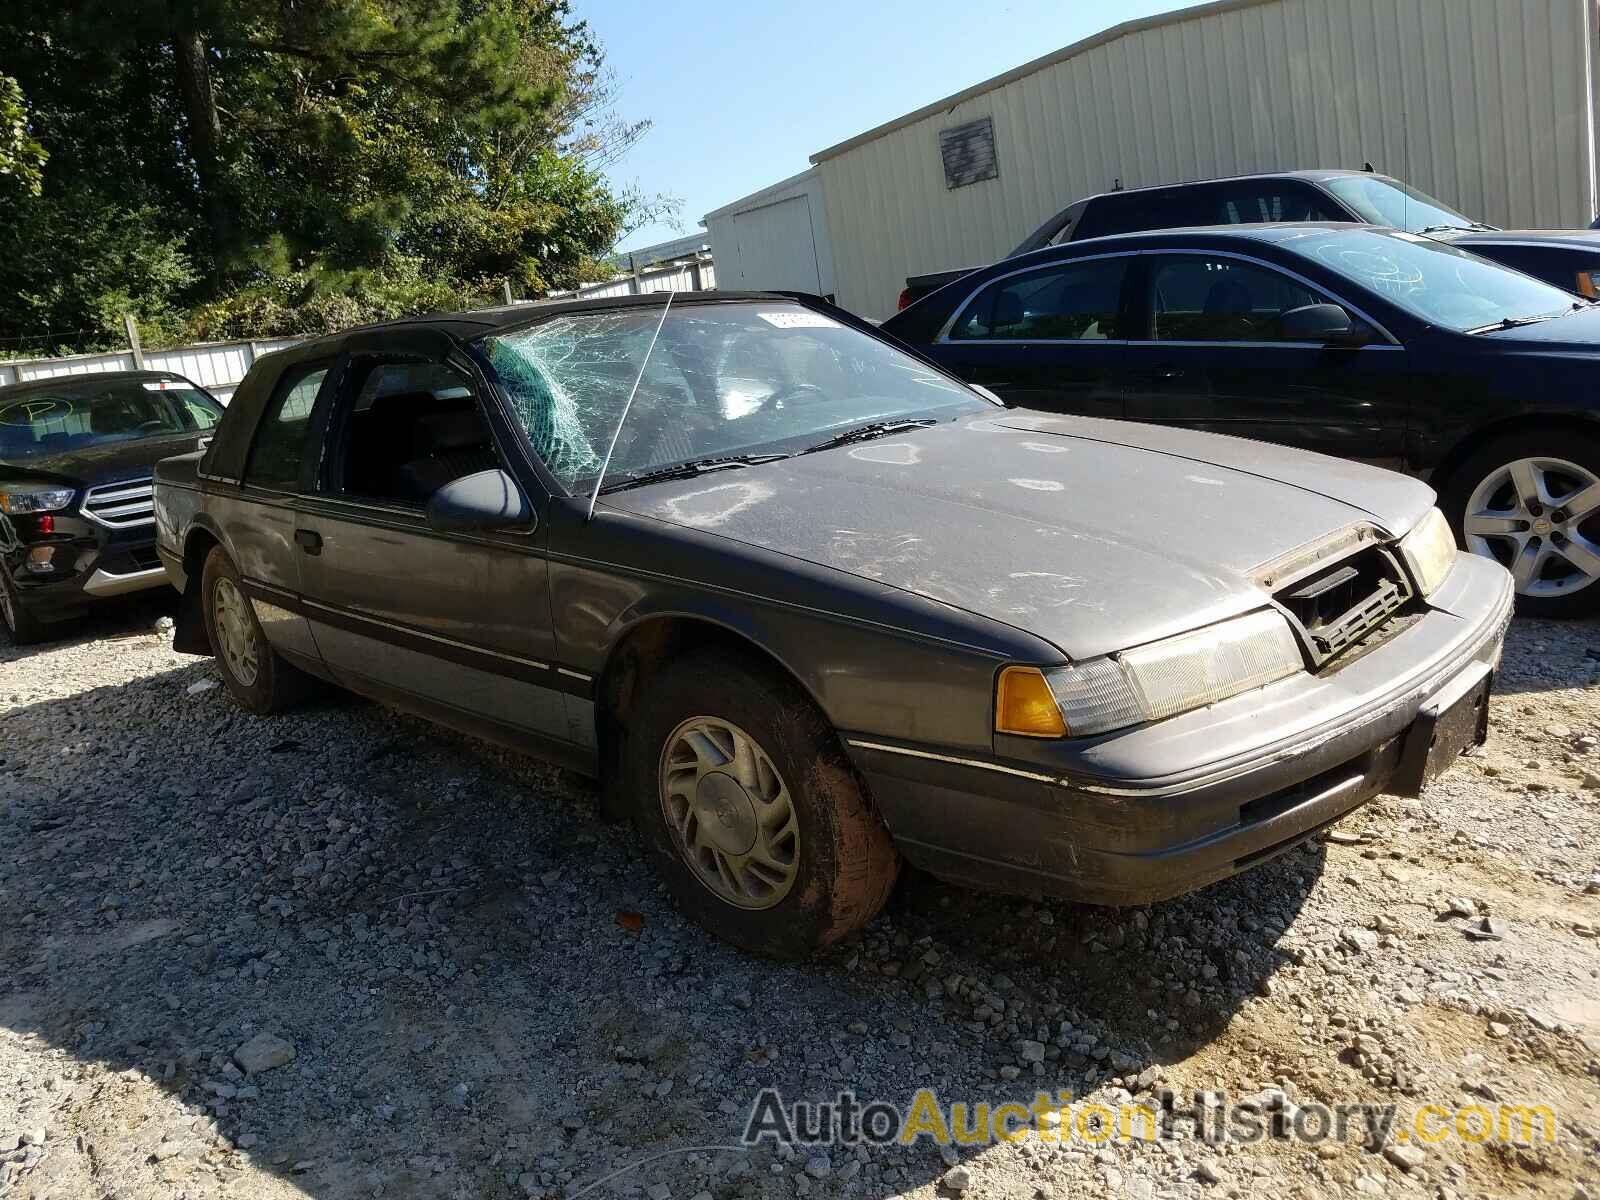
(798, 320)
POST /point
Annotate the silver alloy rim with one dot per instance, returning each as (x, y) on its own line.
(730, 813)
(1528, 515)
(236, 631)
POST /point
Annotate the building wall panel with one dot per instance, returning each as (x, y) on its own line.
(1487, 104)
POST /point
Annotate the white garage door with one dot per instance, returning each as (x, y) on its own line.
(776, 248)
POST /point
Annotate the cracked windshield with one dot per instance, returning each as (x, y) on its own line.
(722, 380)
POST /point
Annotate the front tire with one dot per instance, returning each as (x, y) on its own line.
(259, 679)
(1531, 501)
(750, 810)
(21, 628)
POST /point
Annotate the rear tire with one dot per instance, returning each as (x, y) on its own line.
(750, 810)
(20, 627)
(1531, 501)
(257, 676)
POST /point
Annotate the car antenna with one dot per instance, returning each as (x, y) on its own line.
(633, 391)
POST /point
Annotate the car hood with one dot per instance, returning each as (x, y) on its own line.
(1094, 535)
(107, 462)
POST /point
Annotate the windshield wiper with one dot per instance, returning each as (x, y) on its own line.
(862, 433)
(1469, 227)
(691, 469)
(1518, 322)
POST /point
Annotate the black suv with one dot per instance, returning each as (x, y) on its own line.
(1570, 259)
(77, 524)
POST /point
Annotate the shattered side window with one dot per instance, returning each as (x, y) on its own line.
(568, 380)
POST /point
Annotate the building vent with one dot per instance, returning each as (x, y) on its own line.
(968, 153)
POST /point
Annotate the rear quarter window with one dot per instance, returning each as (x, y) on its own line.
(279, 447)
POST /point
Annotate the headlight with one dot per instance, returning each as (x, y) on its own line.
(1167, 677)
(1430, 551)
(34, 500)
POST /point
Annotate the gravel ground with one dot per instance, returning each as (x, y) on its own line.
(449, 978)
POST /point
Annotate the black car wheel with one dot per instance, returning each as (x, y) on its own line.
(757, 823)
(1531, 501)
(258, 678)
(21, 627)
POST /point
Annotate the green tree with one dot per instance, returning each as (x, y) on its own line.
(388, 153)
(21, 155)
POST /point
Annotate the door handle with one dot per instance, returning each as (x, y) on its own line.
(309, 539)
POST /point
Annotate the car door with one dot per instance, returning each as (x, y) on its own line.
(454, 623)
(1047, 337)
(258, 517)
(1212, 358)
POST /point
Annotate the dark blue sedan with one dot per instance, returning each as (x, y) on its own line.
(1359, 341)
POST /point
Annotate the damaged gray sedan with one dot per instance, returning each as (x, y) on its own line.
(810, 607)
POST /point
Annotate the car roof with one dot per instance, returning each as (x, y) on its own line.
(1320, 175)
(1194, 235)
(88, 378)
(475, 323)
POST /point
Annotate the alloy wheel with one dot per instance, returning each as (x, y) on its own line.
(236, 631)
(730, 813)
(1529, 515)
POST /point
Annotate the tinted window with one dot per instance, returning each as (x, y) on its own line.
(1242, 203)
(1195, 298)
(412, 428)
(1255, 201)
(1078, 301)
(73, 414)
(718, 379)
(1135, 211)
(1431, 281)
(281, 436)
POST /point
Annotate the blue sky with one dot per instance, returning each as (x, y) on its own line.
(743, 91)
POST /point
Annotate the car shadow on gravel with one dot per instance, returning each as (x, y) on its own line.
(484, 989)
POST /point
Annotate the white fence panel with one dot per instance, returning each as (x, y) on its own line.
(216, 366)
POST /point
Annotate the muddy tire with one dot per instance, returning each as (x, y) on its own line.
(1531, 501)
(258, 678)
(753, 816)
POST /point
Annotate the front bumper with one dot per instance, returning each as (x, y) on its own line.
(56, 576)
(1154, 812)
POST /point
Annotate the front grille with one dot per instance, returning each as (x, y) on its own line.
(1342, 603)
(120, 505)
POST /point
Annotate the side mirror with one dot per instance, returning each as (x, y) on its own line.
(485, 500)
(1325, 323)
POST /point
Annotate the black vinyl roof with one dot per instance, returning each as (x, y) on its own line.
(465, 326)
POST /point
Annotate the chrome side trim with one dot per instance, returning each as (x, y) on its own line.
(947, 758)
(432, 637)
(105, 583)
(574, 674)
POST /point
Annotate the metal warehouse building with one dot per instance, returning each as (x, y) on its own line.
(1487, 104)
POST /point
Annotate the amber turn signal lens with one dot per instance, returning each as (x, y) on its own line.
(1024, 705)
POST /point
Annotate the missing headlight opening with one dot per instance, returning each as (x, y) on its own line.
(1339, 604)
